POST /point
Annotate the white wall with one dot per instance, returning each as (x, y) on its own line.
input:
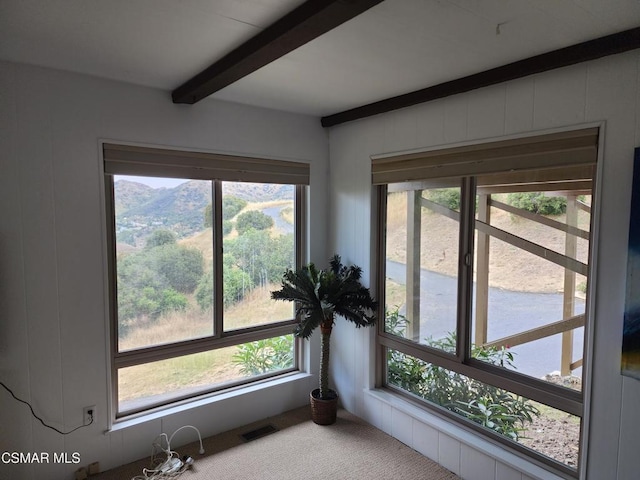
(604, 90)
(53, 342)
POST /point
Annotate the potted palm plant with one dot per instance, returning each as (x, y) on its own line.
(320, 296)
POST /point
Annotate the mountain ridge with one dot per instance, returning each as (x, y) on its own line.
(141, 209)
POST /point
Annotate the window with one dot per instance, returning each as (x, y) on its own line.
(484, 265)
(197, 242)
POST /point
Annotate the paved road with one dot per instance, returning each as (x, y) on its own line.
(509, 313)
(281, 224)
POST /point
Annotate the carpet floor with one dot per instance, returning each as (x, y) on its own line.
(298, 450)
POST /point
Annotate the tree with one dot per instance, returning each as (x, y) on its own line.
(320, 296)
(182, 267)
(236, 284)
(143, 291)
(253, 219)
(208, 216)
(227, 227)
(153, 282)
(231, 206)
(263, 257)
(538, 202)
(161, 237)
(204, 292)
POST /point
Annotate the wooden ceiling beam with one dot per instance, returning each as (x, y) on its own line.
(305, 23)
(582, 52)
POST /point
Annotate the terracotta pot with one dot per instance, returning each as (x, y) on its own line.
(323, 411)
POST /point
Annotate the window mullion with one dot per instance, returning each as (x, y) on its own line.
(218, 281)
(300, 224)
(465, 268)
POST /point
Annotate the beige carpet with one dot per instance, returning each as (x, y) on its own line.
(300, 449)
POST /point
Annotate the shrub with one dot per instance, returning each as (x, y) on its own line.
(487, 405)
(263, 257)
(231, 206)
(582, 287)
(204, 291)
(538, 202)
(152, 282)
(161, 237)
(227, 227)
(253, 219)
(449, 197)
(263, 356)
(182, 267)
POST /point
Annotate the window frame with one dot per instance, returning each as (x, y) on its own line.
(556, 396)
(219, 337)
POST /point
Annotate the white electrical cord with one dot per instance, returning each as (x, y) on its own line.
(172, 466)
(201, 451)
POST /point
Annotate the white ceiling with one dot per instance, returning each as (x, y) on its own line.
(396, 47)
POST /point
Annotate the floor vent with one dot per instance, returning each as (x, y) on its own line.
(258, 432)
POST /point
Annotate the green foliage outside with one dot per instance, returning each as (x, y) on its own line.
(582, 287)
(253, 259)
(155, 280)
(181, 266)
(231, 206)
(448, 197)
(236, 285)
(538, 202)
(264, 356)
(491, 407)
(161, 237)
(208, 216)
(262, 257)
(204, 291)
(253, 219)
(127, 236)
(227, 227)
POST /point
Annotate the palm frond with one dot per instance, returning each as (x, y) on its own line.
(320, 294)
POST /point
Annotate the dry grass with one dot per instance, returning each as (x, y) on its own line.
(171, 327)
(206, 368)
(197, 370)
(202, 241)
(257, 308)
(288, 214)
(263, 205)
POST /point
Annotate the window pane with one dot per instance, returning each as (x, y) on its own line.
(421, 263)
(524, 301)
(162, 244)
(259, 245)
(548, 431)
(160, 382)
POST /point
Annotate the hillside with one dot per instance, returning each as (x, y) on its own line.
(258, 192)
(141, 209)
(511, 268)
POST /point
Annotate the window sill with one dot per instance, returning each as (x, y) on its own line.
(205, 400)
(472, 439)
